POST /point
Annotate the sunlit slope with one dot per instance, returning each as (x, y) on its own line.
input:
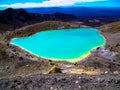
(112, 27)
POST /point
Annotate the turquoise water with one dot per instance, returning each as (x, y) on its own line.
(64, 45)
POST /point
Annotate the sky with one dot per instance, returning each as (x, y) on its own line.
(57, 3)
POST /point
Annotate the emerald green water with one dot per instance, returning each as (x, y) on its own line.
(64, 45)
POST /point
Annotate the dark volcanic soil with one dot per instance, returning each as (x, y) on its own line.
(62, 82)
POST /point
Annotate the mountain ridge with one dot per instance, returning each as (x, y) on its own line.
(82, 12)
(20, 17)
(11, 19)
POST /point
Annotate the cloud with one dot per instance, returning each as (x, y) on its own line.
(50, 3)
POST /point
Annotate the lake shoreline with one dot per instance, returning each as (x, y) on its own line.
(74, 60)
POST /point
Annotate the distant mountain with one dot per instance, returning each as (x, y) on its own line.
(11, 19)
(20, 17)
(79, 11)
(55, 17)
(14, 17)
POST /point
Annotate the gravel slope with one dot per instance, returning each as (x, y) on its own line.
(62, 82)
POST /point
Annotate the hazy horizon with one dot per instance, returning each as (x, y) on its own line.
(4, 4)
